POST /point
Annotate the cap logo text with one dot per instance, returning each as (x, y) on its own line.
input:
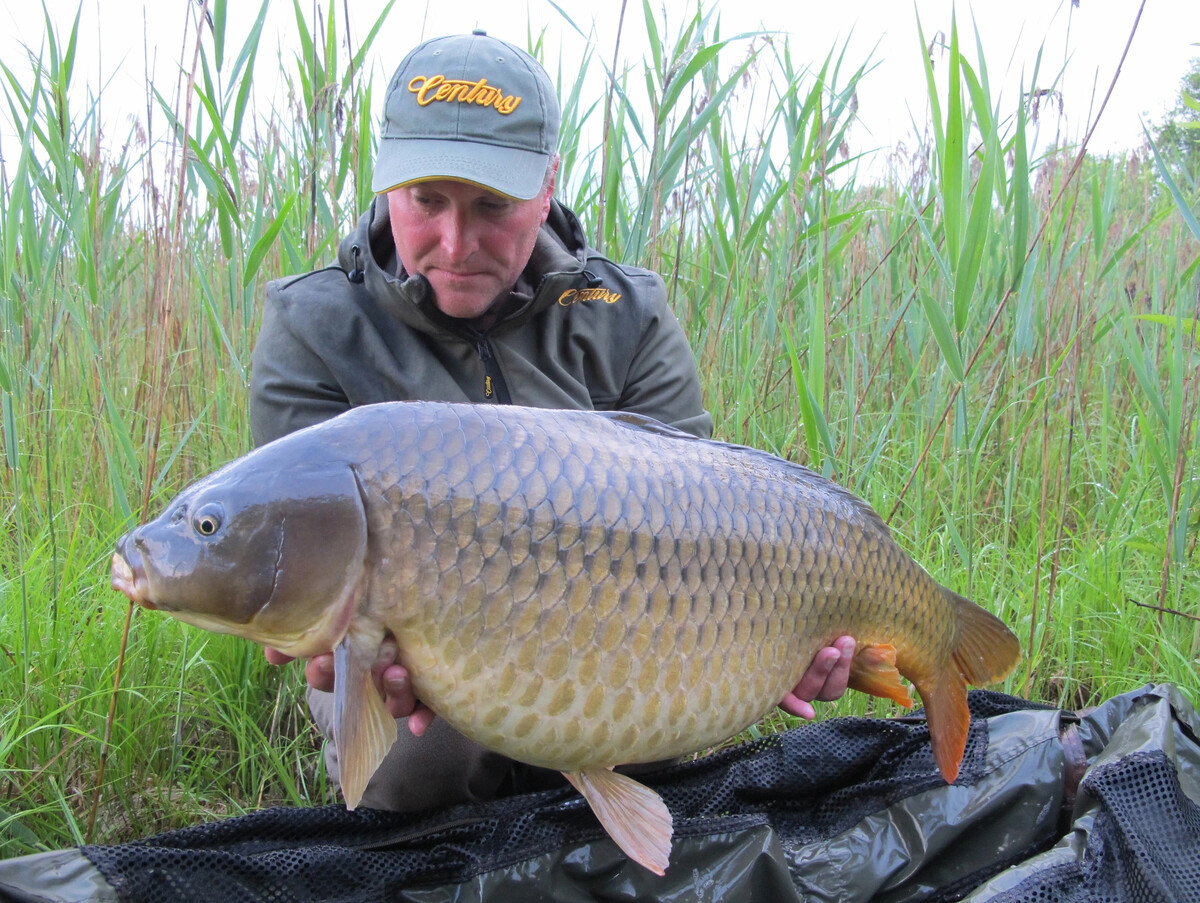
(451, 90)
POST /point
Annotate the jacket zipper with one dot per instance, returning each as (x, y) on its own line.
(494, 387)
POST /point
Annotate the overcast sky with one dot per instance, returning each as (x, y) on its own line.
(114, 46)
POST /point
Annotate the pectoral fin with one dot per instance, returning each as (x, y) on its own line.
(363, 729)
(634, 816)
(873, 670)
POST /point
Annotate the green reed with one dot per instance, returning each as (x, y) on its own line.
(997, 349)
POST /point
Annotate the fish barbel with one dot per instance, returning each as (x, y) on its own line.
(575, 590)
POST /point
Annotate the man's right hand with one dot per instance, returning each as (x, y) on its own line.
(391, 679)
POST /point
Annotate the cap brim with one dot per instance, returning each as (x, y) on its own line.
(516, 173)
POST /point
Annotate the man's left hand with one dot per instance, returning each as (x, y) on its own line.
(825, 679)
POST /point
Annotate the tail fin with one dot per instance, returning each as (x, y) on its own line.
(985, 651)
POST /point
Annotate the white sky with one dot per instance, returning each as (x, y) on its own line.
(114, 47)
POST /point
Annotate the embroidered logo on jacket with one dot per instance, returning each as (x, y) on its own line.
(576, 295)
(457, 90)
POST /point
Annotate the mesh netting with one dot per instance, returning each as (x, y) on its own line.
(794, 792)
(808, 783)
(1144, 844)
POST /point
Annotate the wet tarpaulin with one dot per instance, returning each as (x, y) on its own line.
(1049, 806)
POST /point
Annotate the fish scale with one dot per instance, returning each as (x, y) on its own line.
(572, 589)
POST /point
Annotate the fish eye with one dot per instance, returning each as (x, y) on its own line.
(207, 521)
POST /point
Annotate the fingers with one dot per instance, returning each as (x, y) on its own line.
(396, 689)
(401, 702)
(385, 658)
(839, 675)
(391, 679)
(420, 719)
(318, 671)
(794, 705)
(812, 684)
(275, 657)
(825, 679)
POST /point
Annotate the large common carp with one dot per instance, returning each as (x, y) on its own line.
(572, 589)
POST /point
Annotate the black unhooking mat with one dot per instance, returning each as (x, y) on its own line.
(1050, 806)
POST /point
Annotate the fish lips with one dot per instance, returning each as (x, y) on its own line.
(129, 574)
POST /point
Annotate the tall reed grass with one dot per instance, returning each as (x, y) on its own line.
(997, 349)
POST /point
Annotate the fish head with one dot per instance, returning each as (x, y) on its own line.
(268, 548)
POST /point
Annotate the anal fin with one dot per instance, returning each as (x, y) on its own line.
(363, 729)
(634, 816)
(873, 671)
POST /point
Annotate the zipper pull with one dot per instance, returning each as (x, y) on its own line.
(485, 355)
(493, 380)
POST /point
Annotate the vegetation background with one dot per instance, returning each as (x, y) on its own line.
(996, 347)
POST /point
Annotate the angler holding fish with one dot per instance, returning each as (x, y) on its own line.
(466, 281)
(570, 591)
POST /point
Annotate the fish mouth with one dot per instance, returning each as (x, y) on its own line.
(130, 578)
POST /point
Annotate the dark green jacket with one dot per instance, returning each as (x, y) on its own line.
(579, 331)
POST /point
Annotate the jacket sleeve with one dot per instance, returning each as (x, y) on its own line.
(662, 382)
(290, 385)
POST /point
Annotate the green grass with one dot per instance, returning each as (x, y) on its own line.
(998, 351)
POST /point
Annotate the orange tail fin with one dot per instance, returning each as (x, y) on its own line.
(985, 651)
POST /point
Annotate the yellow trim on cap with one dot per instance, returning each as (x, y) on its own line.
(500, 194)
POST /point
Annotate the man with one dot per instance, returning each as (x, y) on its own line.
(465, 281)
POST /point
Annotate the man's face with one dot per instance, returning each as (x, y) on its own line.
(470, 243)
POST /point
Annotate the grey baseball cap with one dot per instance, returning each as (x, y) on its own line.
(471, 108)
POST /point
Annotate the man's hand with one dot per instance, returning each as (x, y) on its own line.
(391, 679)
(825, 679)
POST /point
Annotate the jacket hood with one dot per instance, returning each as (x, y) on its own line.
(368, 255)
